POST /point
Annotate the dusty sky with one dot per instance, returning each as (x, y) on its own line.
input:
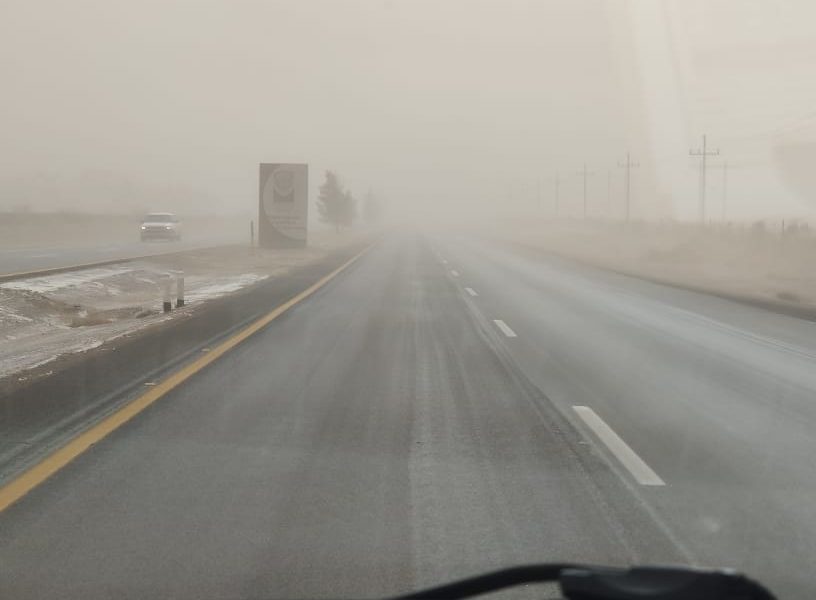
(463, 101)
(165, 104)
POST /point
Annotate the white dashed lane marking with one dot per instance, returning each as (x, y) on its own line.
(642, 472)
(471, 291)
(505, 329)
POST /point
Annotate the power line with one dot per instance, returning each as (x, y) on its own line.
(703, 153)
(628, 166)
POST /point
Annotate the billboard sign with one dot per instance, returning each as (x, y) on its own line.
(283, 206)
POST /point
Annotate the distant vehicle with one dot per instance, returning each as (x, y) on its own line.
(161, 226)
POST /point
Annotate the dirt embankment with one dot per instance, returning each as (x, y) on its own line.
(749, 262)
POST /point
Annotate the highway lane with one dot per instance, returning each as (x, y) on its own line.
(715, 396)
(21, 260)
(377, 438)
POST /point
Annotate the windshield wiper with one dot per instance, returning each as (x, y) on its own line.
(580, 582)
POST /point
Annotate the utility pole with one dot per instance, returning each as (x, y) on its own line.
(724, 189)
(584, 173)
(628, 166)
(703, 154)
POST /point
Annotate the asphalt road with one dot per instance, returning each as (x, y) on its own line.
(415, 421)
(23, 260)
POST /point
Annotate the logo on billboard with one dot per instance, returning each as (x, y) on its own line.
(279, 191)
(283, 185)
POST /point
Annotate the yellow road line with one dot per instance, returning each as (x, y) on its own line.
(27, 481)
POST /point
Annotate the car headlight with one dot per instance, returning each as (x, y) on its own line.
(168, 227)
(143, 227)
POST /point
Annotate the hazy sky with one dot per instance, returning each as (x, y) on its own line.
(448, 101)
(112, 105)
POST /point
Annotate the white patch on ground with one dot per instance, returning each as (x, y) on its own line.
(7, 314)
(47, 334)
(41, 347)
(59, 281)
(199, 290)
(28, 353)
(80, 346)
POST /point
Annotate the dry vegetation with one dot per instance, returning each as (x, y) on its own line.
(749, 260)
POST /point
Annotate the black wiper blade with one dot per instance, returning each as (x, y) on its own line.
(491, 582)
(658, 583)
(608, 583)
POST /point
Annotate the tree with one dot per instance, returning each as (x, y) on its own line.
(335, 204)
(331, 201)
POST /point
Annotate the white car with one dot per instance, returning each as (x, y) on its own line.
(161, 226)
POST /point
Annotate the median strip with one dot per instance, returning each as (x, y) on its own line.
(30, 479)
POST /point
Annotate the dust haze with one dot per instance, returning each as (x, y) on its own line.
(554, 298)
(449, 110)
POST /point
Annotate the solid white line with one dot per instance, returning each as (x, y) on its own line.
(642, 472)
(504, 328)
(454, 272)
(471, 291)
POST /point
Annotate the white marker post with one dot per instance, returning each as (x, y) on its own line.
(167, 305)
(179, 289)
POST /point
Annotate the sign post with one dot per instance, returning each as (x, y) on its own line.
(283, 205)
